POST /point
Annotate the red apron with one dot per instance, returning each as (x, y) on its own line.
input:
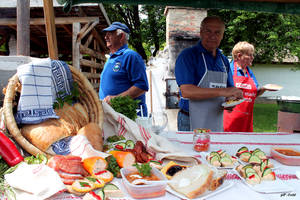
(241, 118)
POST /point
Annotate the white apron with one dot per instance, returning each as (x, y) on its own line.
(208, 113)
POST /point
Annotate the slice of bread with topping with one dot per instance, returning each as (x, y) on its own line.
(192, 181)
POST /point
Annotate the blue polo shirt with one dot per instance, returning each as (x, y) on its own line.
(124, 68)
(190, 68)
(241, 73)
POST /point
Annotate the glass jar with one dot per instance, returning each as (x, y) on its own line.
(201, 139)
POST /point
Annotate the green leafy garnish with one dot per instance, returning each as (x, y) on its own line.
(91, 179)
(115, 138)
(144, 169)
(125, 105)
(84, 184)
(74, 96)
(113, 166)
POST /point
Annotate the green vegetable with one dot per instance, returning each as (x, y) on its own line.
(125, 105)
(144, 169)
(115, 138)
(110, 186)
(38, 159)
(6, 189)
(69, 99)
(129, 144)
(113, 166)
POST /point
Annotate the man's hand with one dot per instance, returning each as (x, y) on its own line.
(233, 93)
(108, 98)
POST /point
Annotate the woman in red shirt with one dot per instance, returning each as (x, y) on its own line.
(240, 119)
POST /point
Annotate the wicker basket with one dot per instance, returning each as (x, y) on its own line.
(89, 100)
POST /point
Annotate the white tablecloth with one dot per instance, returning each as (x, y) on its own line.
(231, 142)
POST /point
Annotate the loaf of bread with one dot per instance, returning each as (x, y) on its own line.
(192, 181)
(71, 119)
(94, 135)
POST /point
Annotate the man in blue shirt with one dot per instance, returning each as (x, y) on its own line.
(124, 73)
(205, 80)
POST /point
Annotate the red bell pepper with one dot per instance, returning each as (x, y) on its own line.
(9, 151)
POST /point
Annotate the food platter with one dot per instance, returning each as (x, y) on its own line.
(276, 186)
(225, 186)
(206, 154)
(232, 103)
(272, 87)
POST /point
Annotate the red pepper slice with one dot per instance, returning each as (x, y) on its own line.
(119, 147)
(101, 172)
(9, 151)
(252, 176)
(95, 195)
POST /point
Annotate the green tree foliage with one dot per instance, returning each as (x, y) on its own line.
(153, 28)
(144, 33)
(273, 35)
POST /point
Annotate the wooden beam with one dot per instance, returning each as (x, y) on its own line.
(75, 46)
(41, 21)
(50, 29)
(81, 36)
(91, 64)
(66, 28)
(91, 75)
(99, 39)
(91, 52)
(23, 27)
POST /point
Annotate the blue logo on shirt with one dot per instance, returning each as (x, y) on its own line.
(117, 67)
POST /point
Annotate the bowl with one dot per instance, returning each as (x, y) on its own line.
(144, 191)
(284, 155)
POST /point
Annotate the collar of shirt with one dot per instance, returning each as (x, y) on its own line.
(120, 51)
(241, 72)
(201, 49)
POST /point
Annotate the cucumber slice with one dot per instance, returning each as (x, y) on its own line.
(247, 166)
(259, 154)
(240, 150)
(214, 158)
(245, 156)
(255, 150)
(263, 166)
(266, 172)
(129, 144)
(249, 170)
(254, 160)
(226, 160)
(122, 144)
(110, 186)
(213, 153)
(101, 194)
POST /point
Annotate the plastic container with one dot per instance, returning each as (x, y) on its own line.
(285, 159)
(144, 191)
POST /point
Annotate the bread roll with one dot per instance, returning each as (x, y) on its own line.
(192, 181)
(44, 134)
(71, 120)
(94, 135)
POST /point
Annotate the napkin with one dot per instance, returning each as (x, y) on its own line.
(36, 181)
(43, 80)
(160, 147)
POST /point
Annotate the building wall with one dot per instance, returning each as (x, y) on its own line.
(182, 30)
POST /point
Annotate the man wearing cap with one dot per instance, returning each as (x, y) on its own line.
(124, 73)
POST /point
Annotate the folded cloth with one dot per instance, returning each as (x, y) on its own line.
(37, 181)
(42, 82)
(160, 147)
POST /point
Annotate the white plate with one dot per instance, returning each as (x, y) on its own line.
(272, 87)
(225, 186)
(234, 103)
(276, 186)
(204, 154)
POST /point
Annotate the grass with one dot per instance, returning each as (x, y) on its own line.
(265, 118)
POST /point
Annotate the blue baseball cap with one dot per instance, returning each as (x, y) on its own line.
(117, 25)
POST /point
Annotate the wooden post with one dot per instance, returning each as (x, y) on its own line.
(50, 29)
(23, 27)
(75, 46)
